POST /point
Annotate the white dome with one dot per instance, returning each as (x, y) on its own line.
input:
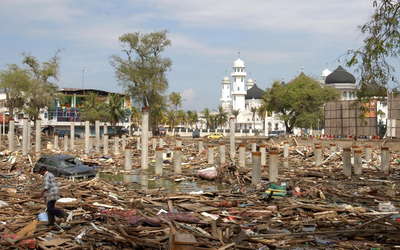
(238, 63)
(326, 72)
(225, 80)
(249, 81)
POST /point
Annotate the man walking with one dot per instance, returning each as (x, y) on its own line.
(52, 195)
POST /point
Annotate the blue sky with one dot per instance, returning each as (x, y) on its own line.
(275, 38)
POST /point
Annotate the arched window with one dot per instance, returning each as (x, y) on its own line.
(345, 95)
(242, 79)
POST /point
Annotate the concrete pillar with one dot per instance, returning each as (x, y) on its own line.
(144, 180)
(332, 148)
(159, 161)
(105, 129)
(273, 166)
(232, 147)
(145, 138)
(368, 152)
(318, 155)
(200, 145)
(179, 142)
(357, 162)
(354, 147)
(385, 160)
(128, 158)
(263, 154)
(286, 149)
(25, 136)
(124, 141)
(87, 135)
(161, 142)
(56, 140)
(38, 137)
(210, 154)
(11, 128)
(65, 142)
(116, 144)
(72, 146)
(347, 162)
(177, 160)
(253, 146)
(29, 136)
(256, 168)
(105, 144)
(154, 142)
(97, 135)
(222, 158)
(242, 155)
(138, 142)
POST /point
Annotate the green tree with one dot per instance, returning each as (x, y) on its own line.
(300, 103)
(235, 113)
(14, 83)
(262, 111)
(193, 117)
(143, 73)
(43, 90)
(206, 114)
(114, 109)
(176, 100)
(171, 119)
(381, 45)
(136, 116)
(93, 109)
(158, 112)
(222, 116)
(181, 117)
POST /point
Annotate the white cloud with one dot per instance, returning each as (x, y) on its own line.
(188, 96)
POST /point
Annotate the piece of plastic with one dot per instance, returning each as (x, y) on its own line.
(208, 173)
(3, 204)
(43, 217)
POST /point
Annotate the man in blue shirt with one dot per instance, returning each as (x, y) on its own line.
(52, 195)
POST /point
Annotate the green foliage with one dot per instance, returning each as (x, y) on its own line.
(176, 100)
(299, 104)
(381, 43)
(42, 91)
(221, 117)
(143, 72)
(94, 109)
(114, 109)
(193, 117)
(181, 117)
(171, 119)
(206, 114)
(14, 82)
(136, 116)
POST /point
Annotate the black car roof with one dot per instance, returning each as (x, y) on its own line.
(58, 157)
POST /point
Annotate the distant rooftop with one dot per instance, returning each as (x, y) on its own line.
(85, 91)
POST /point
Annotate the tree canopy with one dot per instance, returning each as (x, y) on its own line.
(298, 104)
(381, 46)
(143, 71)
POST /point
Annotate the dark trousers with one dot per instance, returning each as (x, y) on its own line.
(51, 210)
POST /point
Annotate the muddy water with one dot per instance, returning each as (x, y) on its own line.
(145, 182)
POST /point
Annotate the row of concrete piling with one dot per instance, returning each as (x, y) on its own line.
(258, 157)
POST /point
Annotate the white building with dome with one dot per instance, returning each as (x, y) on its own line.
(245, 96)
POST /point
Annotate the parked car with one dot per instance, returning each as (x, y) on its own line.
(196, 134)
(215, 136)
(276, 133)
(61, 134)
(64, 166)
(159, 131)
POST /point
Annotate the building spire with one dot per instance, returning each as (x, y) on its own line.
(326, 65)
(340, 62)
(239, 55)
(226, 73)
(302, 69)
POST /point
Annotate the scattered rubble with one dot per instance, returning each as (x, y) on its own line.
(311, 205)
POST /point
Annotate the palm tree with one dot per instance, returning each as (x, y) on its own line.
(213, 120)
(176, 100)
(206, 114)
(193, 117)
(253, 110)
(171, 119)
(262, 110)
(114, 109)
(235, 113)
(181, 117)
(93, 109)
(222, 116)
(136, 116)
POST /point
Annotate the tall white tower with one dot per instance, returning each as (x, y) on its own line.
(238, 91)
(226, 94)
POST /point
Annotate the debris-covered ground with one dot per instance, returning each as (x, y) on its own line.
(311, 207)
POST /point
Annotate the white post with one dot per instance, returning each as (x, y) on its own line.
(11, 129)
(138, 142)
(253, 146)
(116, 144)
(318, 155)
(232, 147)
(29, 135)
(347, 162)
(159, 161)
(263, 154)
(256, 168)
(242, 155)
(97, 135)
(87, 135)
(178, 142)
(210, 154)
(25, 136)
(154, 143)
(286, 149)
(200, 145)
(128, 158)
(72, 135)
(273, 166)
(56, 140)
(222, 158)
(145, 138)
(385, 167)
(357, 162)
(161, 143)
(368, 152)
(177, 160)
(105, 144)
(38, 136)
(124, 141)
(65, 142)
